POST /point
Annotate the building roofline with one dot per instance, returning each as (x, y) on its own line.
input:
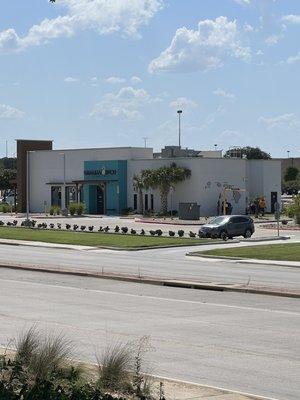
(101, 148)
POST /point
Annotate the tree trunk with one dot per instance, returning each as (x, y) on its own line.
(164, 202)
(141, 202)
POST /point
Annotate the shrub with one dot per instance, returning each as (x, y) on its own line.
(133, 231)
(124, 229)
(117, 229)
(75, 227)
(68, 226)
(80, 208)
(171, 233)
(51, 226)
(72, 208)
(152, 233)
(100, 229)
(293, 209)
(91, 228)
(1, 223)
(106, 229)
(15, 222)
(83, 227)
(54, 210)
(192, 234)
(59, 226)
(143, 232)
(180, 233)
(5, 208)
(159, 232)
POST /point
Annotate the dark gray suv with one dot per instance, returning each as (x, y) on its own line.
(228, 226)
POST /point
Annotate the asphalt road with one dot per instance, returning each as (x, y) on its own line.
(164, 263)
(236, 341)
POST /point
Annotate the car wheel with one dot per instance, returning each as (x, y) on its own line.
(224, 236)
(247, 234)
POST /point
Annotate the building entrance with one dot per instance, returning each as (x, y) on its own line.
(100, 202)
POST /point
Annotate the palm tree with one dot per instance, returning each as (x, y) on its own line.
(163, 179)
(138, 186)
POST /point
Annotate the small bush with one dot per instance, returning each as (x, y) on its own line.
(152, 233)
(75, 227)
(68, 226)
(180, 233)
(143, 232)
(5, 208)
(192, 234)
(15, 222)
(59, 226)
(171, 233)
(83, 227)
(106, 229)
(100, 229)
(91, 228)
(54, 210)
(72, 208)
(133, 231)
(1, 223)
(51, 226)
(80, 208)
(124, 229)
(117, 229)
(159, 232)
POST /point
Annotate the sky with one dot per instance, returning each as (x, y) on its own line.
(103, 73)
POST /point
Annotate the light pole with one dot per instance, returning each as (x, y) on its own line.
(145, 141)
(179, 112)
(215, 146)
(288, 153)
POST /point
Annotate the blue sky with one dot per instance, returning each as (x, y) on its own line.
(93, 73)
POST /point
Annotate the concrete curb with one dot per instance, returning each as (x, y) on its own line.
(158, 282)
(243, 260)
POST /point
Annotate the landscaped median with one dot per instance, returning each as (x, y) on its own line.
(278, 252)
(97, 239)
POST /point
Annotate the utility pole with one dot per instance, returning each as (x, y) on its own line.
(145, 141)
(179, 112)
(6, 149)
(288, 153)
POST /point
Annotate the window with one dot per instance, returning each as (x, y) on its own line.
(56, 196)
(146, 202)
(152, 202)
(70, 195)
(135, 201)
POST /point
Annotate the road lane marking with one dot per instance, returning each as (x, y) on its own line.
(113, 293)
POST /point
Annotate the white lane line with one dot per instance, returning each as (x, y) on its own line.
(113, 293)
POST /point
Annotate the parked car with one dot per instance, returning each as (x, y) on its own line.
(228, 226)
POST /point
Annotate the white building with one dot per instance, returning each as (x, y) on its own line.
(102, 178)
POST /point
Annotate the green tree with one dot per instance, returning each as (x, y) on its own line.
(291, 174)
(163, 179)
(6, 178)
(250, 153)
(139, 186)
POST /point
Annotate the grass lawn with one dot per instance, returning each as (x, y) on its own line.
(280, 252)
(95, 239)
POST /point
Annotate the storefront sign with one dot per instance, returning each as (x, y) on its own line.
(100, 172)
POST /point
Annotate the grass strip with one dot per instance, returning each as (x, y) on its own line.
(95, 239)
(278, 252)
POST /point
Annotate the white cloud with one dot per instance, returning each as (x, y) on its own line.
(283, 121)
(135, 79)
(248, 27)
(94, 79)
(183, 103)
(230, 136)
(273, 39)
(70, 79)
(243, 2)
(125, 104)
(115, 80)
(293, 59)
(291, 19)
(8, 112)
(102, 16)
(203, 49)
(222, 93)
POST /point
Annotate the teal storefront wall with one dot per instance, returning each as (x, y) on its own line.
(114, 174)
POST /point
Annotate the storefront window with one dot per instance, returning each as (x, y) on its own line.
(70, 195)
(56, 196)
